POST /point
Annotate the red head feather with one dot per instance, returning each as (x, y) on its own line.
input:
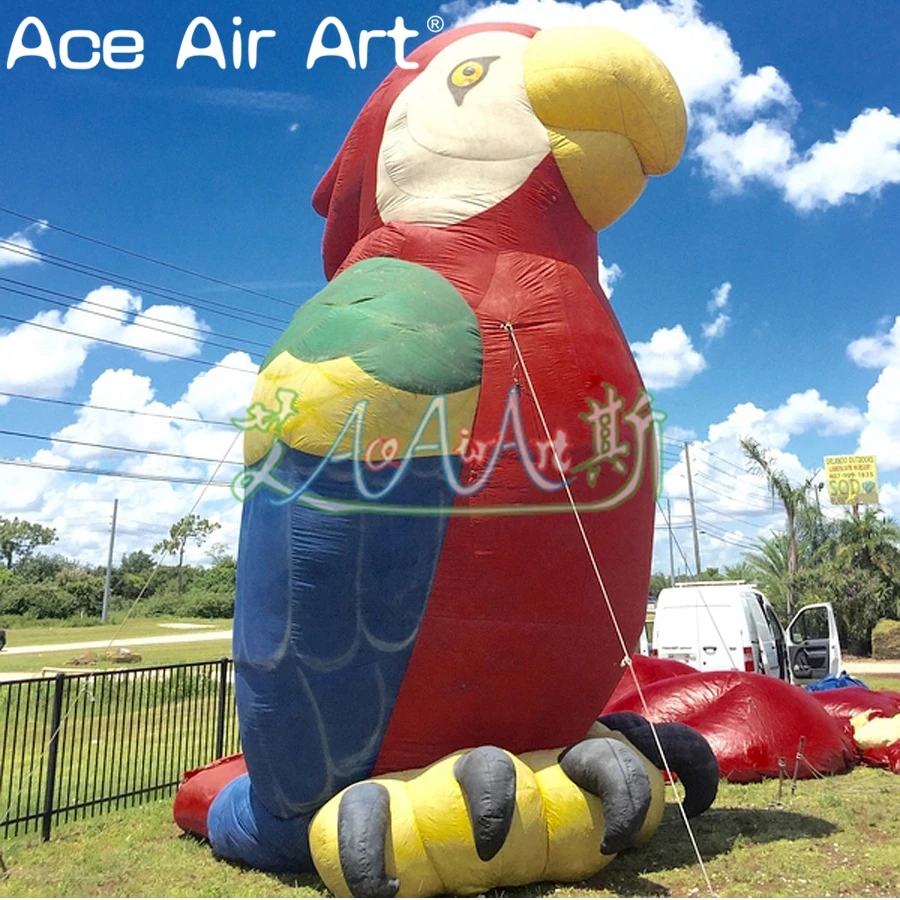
(346, 194)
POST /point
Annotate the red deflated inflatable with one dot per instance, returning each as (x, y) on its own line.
(751, 721)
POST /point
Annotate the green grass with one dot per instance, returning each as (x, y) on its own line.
(882, 682)
(840, 837)
(151, 655)
(21, 636)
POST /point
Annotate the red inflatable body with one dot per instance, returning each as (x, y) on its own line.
(200, 787)
(751, 721)
(647, 670)
(845, 703)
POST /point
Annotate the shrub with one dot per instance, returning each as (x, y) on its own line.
(87, 589)
(41, 601)
(208, 604)
(42, 566)
(194, 603)
(886, 639)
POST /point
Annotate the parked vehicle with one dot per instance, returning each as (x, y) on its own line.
(720, 625)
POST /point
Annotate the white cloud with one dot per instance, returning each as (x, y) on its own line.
(677, 433)
(754, 93)
(881, 434)
(763, 151)
(79, 505)
(668, 359)
(878, 351)
(609, 275)
(18, 248)
(861, 160)
(808, 411)
(45, 361)
(743, 122)
(889, 498)
(222, 393)
(800, 413)
(715, 329)
(717, 305)
(166, 328)
(294, 127)
(719, 298)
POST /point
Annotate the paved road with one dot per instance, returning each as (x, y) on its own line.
(120, 642)
(872, 667)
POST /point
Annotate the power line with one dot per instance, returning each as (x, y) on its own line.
(146, 287)
(124, 324)
(113, 447)
(707, 482)
(755, 492)
(157, 262)
(740, 546)
(718, 530)
(687, 566)
(697, 445)
(83, 301)
(111, 473)
(88, 337)
(113, 409)
(726, 515)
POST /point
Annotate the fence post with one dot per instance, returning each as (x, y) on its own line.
(56, 722)
(220, 717)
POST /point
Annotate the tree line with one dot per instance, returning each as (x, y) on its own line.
(51, 586)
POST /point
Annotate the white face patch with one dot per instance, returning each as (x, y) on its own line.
(461, 136)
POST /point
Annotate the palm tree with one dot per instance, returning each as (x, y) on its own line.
(793, 498)
(741, 571)
(769, 567)
(869, 541)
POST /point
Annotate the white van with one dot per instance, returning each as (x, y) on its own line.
(722, 625)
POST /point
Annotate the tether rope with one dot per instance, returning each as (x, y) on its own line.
(626, 660)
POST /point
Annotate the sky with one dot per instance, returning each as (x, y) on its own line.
(757, 283)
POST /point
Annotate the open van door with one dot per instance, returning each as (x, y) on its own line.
(813, 645)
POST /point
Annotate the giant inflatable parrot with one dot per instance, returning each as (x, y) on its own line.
(451, 442)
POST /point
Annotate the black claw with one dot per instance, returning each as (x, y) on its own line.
(487, 777)
(363, 817)
(636, 729)
(613, 772)
(688, 755)
(693, 761)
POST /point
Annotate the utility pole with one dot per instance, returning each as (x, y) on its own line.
(687, 462)
(109, 559)
(671, 546)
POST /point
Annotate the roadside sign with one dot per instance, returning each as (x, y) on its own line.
(851, 479)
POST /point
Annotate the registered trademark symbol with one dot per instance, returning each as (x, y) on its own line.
(435, 24)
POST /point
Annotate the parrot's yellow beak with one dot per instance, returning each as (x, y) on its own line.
(613, 113)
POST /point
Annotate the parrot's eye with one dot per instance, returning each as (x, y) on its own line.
(466, 75)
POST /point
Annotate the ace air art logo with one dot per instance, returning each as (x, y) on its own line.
(624, 439)
(125, 48)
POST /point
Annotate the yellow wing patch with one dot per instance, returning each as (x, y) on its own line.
(322, 396)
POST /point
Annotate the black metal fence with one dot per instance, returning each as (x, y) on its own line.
(74, 745)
